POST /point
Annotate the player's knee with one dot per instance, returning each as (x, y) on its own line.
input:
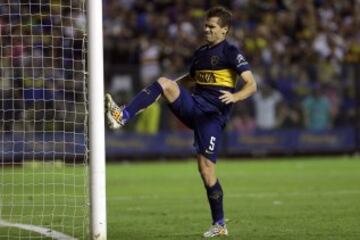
(166, 84)
(170, 89)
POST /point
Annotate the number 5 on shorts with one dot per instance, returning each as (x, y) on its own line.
(212, 143)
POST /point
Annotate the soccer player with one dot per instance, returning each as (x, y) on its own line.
(214, 69)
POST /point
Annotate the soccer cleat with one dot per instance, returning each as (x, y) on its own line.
(114, 113)
(216, 230)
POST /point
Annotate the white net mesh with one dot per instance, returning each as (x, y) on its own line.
(43, 127)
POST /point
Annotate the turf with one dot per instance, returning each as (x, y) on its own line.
(294, 198)
(305, 198)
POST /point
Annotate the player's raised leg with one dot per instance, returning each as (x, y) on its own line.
(118, 116)
(114, 113)
(215, 197)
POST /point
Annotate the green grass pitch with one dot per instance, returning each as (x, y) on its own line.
(302, 198)
(293, 198)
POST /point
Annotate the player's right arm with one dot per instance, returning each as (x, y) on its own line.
(249, 88)
(241, 66)
(246, 91)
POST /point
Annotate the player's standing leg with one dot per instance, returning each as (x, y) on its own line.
(215, 196)
(118, 116)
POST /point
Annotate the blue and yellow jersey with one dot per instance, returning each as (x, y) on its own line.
(217, 68)
(218, 65)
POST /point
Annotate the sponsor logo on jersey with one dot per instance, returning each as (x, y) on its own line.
(205, 77)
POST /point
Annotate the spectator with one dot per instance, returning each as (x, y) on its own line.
(148, 121)
(242, 120)
(288, 117)
(317, 111)
(266, 101)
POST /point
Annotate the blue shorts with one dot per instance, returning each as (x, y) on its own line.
(203, 118)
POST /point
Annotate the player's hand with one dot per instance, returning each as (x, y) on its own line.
(227, 97)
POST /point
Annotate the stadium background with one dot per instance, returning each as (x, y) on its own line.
(304, 54)
(305, 57)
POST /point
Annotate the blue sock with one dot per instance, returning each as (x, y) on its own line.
(215, 197)
(142, 100)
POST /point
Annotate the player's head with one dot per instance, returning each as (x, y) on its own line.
(217, 24)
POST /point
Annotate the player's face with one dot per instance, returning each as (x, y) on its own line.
(214, 33)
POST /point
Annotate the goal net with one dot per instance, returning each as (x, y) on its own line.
(43, 127)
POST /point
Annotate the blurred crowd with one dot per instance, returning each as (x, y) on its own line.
(304, 54)
(43, 65)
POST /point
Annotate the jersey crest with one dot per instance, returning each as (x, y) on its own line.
(214, 60)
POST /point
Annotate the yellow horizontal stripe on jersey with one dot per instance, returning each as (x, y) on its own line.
(222, 78)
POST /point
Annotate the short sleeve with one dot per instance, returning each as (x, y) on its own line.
(237, 60)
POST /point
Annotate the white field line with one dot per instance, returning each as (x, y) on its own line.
(41, 230)
(241, 195)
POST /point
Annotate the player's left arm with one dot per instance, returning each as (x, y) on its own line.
(246, 91)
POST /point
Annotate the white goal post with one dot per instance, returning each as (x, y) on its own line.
(52, 133)
(97, 123)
